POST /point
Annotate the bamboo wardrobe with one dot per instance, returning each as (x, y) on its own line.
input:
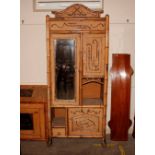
(77, 46)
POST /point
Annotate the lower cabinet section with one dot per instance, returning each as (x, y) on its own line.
(78, 122)
(32, 121)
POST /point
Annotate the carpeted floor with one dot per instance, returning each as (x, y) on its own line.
(78, 146)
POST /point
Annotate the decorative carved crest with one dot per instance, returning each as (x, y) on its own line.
(77, 11)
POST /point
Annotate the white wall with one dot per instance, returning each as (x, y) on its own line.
(33, 42)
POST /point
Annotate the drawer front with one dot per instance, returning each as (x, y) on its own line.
(86, 122)
(58, 132)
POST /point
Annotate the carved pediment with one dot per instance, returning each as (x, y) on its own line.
(77, 11)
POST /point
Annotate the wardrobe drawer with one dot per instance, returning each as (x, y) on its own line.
(58, 132)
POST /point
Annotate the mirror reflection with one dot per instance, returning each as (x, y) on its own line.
(64, 68)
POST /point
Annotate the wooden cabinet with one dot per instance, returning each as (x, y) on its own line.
(37, 129)
(32, 112)
(77, 57)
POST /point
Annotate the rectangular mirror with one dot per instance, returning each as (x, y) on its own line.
(65, 69)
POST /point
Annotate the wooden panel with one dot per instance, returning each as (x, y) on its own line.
(58, 122)
(85, 121)
(120, 96)
(93, 55)
(92, 101)
(88, 93)
(37, 110)
(60, 112)
(77, 25)
(39, 94)
(58, 132)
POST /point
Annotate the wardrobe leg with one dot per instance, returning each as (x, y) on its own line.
(104, 142)
(49, 142)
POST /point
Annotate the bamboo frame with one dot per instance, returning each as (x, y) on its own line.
(106, 70)
(48, 75)
(78, 31)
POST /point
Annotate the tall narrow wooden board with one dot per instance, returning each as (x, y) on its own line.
(120, 96)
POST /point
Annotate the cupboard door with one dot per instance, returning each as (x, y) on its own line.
(64, 65)
(32, 121)
(87, 122)
(93, 55)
